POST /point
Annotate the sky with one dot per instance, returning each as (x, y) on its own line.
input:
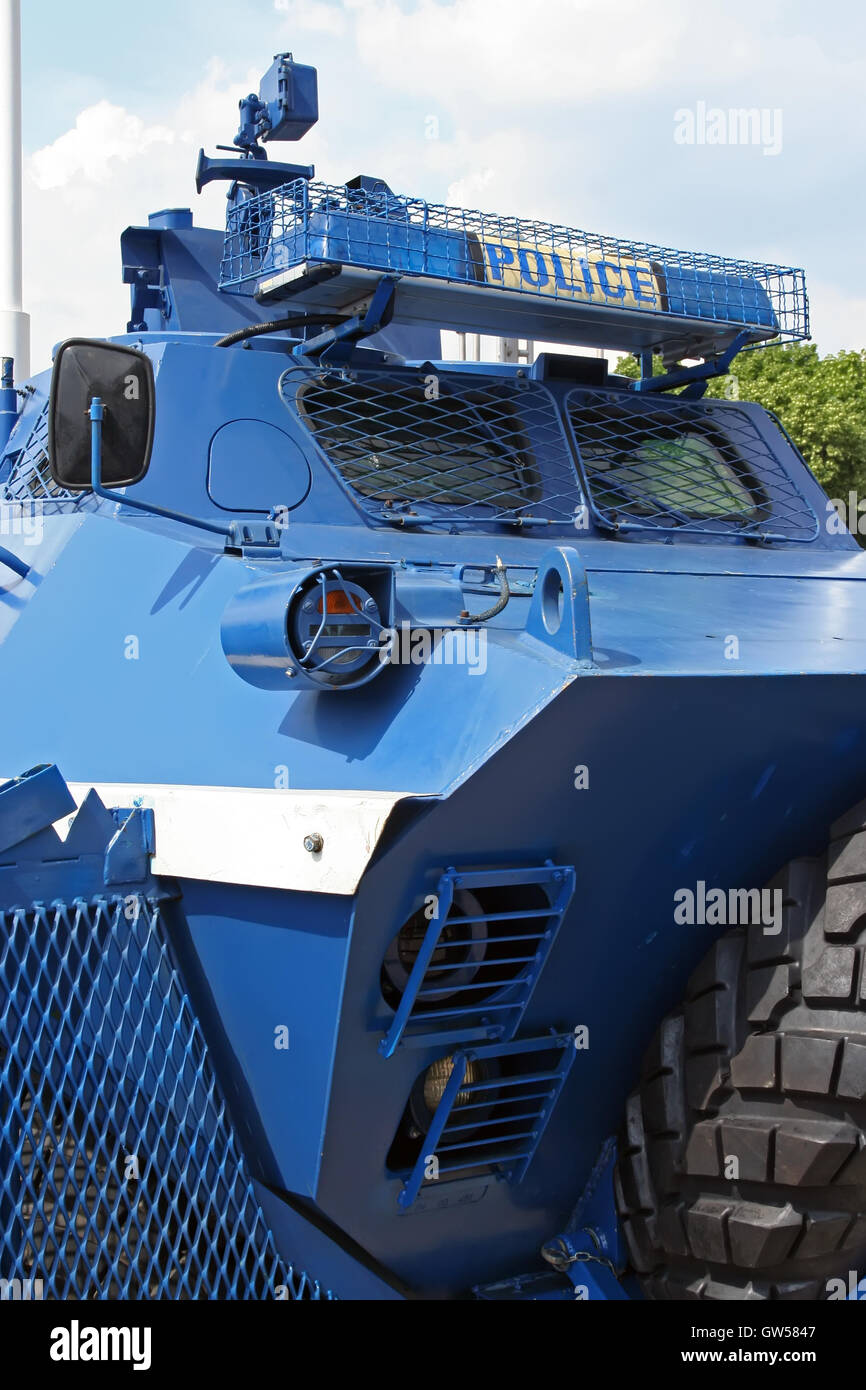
(608, 115)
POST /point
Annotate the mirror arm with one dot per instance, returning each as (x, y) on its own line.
(97, 415)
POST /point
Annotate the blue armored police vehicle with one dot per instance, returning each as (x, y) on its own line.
(390, 743)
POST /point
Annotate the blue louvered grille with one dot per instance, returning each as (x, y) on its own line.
(494, 1105)
(477, 961)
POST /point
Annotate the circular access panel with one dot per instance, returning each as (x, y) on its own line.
(256, 467)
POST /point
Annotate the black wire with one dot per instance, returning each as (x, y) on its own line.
(504, 597)
(257, 330)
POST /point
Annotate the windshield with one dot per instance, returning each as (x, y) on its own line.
(685, 474)
(668, 463)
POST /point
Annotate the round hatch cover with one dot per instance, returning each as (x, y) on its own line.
(255, 467)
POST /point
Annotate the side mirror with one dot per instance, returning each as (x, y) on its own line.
(122, 378)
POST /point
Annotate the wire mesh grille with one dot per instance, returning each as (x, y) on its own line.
(411, 446)
(28, 482)
(120, 1177)
(377, 229)
(676, 464)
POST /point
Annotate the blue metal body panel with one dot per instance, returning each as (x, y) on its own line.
(281, 958)
(172, 594)
(731, 816)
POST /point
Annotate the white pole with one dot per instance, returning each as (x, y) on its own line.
(14, 323)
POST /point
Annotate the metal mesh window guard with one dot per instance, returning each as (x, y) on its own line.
(460, 449)
(673, 464)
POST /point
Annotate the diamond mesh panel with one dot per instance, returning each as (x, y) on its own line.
(120, 1176)
(676, 464)
(29, 480)
(411, 446)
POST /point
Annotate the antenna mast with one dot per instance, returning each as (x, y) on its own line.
(14, 323)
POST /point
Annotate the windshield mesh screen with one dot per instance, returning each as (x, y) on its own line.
(678, 464)
(474, 448)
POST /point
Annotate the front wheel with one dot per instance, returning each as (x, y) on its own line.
(742, 1168)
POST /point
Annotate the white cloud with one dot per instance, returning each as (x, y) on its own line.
(507, 53)
(102, 135)
(106, 173)
(316, 16)
(471, 190)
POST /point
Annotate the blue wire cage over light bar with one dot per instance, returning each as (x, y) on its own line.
(306, 223)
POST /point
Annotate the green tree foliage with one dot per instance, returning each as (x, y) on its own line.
(821, 401)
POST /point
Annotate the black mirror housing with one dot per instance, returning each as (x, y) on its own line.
(122, 378)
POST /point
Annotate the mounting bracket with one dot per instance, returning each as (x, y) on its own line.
(695, 378)
(336, 345)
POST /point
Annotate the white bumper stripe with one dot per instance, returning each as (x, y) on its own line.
(251, 836)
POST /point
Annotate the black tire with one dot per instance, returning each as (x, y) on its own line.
(764, 1062)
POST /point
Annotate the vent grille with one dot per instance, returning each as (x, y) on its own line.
(414, 448)
(120, 1177)
(676, 465)
(468, 973)
(493, 1110)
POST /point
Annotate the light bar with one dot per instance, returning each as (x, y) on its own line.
(322, 246)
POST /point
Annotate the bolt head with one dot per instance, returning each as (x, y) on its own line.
(314, 844)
